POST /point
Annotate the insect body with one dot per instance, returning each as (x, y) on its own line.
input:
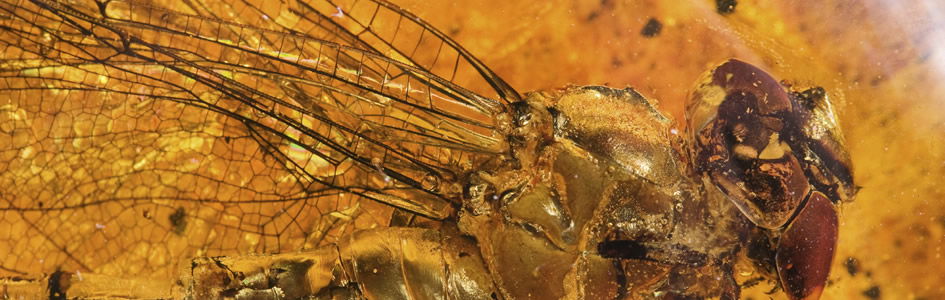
(185, 139)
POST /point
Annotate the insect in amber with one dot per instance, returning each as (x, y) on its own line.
(349, 161)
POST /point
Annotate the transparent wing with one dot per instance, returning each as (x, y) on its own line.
(133, 137)
(372, 25)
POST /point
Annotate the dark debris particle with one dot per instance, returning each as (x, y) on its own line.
(622, 249)
(872, 292)
(178, 220)
(652, 28)
(724, 7)
(57, 285)
(853, 265)
(605, 5)
(752, 282)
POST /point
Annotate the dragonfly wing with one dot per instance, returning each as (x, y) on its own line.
(138, 136)
(375, 26)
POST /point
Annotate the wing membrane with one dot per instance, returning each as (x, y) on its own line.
(137, 136)
(374, 26)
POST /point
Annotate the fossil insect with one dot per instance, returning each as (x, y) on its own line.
(319, 149)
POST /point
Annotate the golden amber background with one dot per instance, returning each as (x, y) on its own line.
(883, 63)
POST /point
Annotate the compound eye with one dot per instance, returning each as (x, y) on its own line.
(806, 249)
(825, 155)
(744, 128)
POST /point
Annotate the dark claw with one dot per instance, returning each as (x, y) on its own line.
(806, 249)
